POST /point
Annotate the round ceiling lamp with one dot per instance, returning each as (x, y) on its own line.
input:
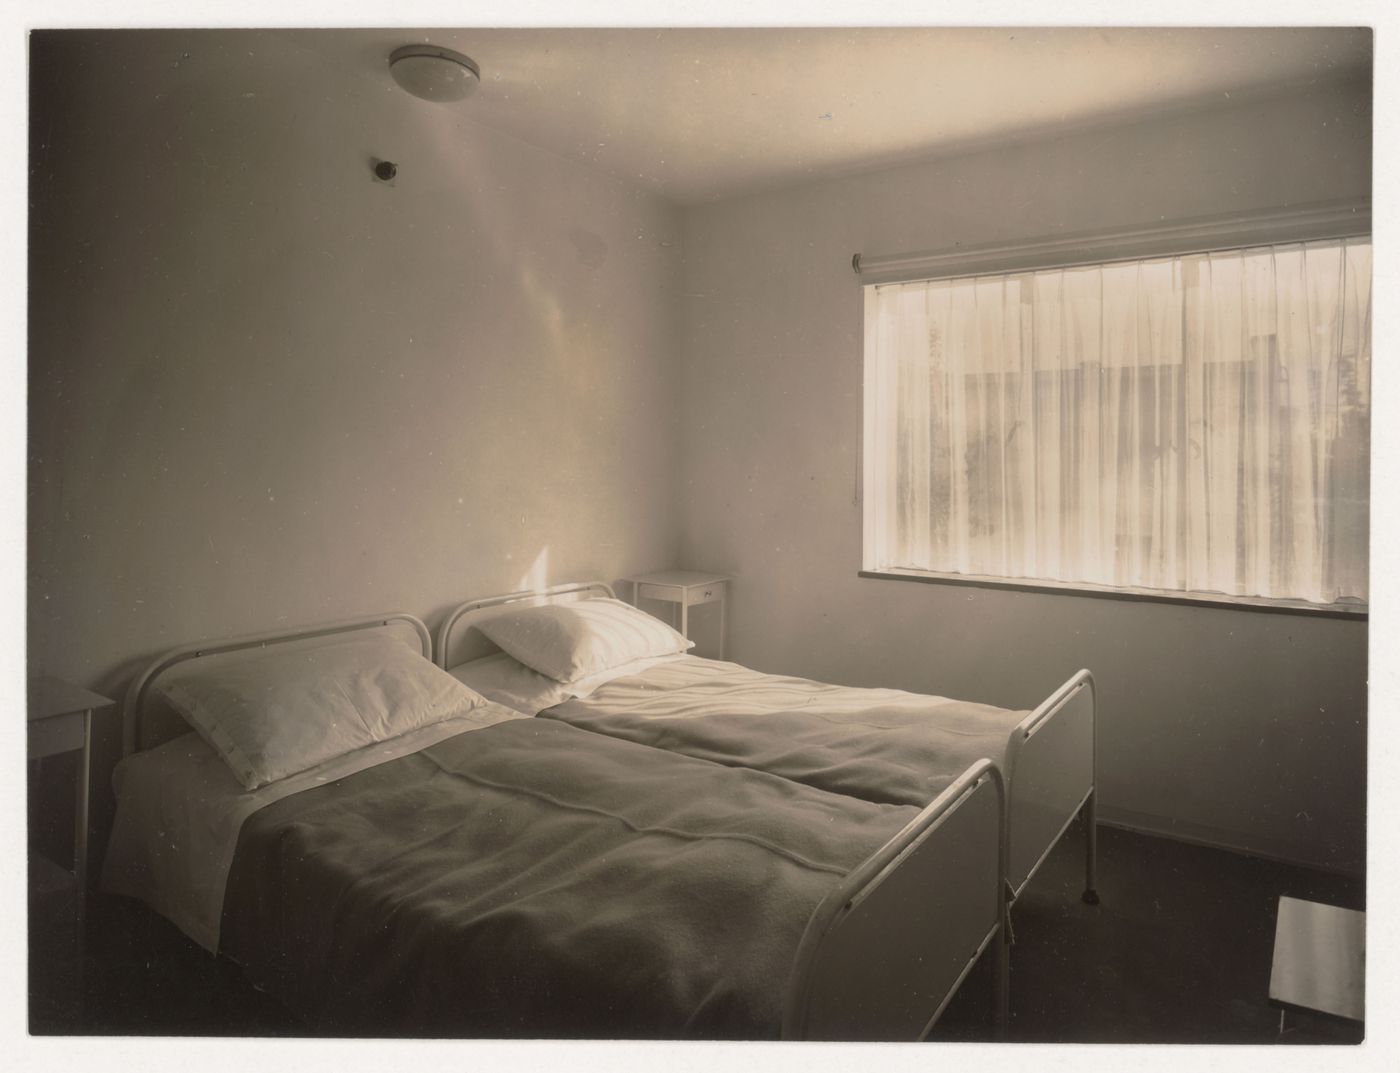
(433, 73)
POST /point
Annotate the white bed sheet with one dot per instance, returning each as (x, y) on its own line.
(180, 810)
(505, 680)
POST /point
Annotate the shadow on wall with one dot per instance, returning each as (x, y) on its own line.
(497, 221)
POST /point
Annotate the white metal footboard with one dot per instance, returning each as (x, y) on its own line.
(1050, 765)
(885, 951)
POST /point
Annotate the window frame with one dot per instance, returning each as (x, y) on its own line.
(1321, 221)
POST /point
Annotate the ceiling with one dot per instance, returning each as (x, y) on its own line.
(701, 114)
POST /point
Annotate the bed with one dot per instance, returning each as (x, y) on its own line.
(463, 870)
(880, 745)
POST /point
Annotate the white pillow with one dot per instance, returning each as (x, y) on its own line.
(569, 641)
(505, 680)
(271, 712)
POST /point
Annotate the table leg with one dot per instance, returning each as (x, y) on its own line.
(723, 614)
(80, 862)
(80, 824)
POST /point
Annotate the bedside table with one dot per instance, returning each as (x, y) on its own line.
(1319, 960)
(60, 721)
(684, 589)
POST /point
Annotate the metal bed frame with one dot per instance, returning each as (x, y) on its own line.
(146, 724)
(1051, 756)
(881, 955)
(901, 932)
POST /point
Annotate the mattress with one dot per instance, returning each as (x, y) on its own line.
(531, 879)
(881, 745)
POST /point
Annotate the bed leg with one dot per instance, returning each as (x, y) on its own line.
(1001, 972)
(1089, 813)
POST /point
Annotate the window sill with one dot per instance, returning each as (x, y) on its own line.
(1103, 592)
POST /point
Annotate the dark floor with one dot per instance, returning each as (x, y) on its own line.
(1178, 951)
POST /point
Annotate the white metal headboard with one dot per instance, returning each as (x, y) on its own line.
(146, 724)
(458, 640)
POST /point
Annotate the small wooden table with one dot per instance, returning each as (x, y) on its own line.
(1319, 959)
(60, 721)
(685, 589)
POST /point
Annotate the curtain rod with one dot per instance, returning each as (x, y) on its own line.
(1297, 223)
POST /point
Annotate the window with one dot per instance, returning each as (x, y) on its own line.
(1190, 424)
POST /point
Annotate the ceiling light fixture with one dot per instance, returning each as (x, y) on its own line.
(433, 73)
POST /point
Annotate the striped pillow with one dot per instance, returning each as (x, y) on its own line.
(568, 641)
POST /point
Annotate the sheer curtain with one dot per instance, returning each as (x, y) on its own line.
(1192, 424)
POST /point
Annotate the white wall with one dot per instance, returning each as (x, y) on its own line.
(1245, 728)
(267, 389)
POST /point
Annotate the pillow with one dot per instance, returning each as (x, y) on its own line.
(568, 641)
(504, 679)
(272, 712)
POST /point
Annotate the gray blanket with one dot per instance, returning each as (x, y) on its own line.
(530, 879)
(881, 745)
